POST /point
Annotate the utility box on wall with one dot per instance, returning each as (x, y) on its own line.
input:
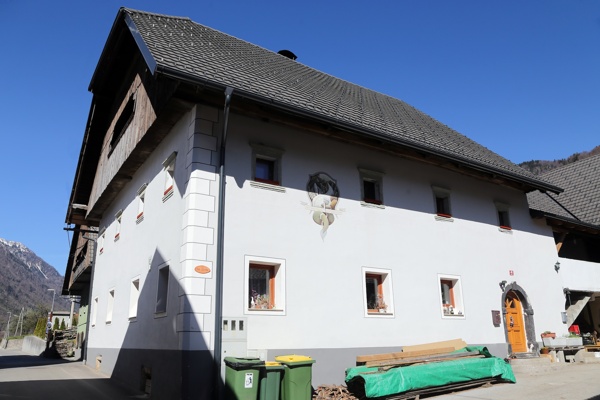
(235, 339)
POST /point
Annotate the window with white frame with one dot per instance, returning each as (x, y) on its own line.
(503, 216)
(451, 299)
(141, 197)
(169, 171)
(110, 306)
(266, 164)
(265, 285)
(371, 187)
(134, 295)
(162, 291)
(441, 198)
(94, 315)
(378, 294)
(118, 219)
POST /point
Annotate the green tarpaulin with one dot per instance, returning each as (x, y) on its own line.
(403, 379)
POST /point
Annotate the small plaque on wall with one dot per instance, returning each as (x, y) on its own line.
(496, 320)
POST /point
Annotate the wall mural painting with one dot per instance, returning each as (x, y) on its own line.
(324, 195)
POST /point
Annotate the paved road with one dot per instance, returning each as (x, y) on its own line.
(23, 376)
(558, 381)
(29, 377)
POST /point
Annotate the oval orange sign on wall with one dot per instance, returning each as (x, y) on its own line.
(202, 269)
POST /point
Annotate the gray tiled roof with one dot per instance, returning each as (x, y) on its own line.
(581, 182)
(187, 48)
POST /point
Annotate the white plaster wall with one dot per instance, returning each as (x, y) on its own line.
(324, 304)
(141, 249)
(579, 275)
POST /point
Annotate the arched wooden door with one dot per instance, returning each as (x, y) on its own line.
(515, 327)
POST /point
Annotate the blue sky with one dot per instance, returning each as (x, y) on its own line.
(520, 77)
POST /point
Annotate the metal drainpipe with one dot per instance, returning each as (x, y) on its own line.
(220, 253)
(84, 349)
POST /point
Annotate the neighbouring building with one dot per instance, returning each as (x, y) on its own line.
(248, 205)
(574, 217)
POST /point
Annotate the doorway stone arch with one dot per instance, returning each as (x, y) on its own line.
(532, 344)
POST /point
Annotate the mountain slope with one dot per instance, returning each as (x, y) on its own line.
(26, 279)
(538, 167)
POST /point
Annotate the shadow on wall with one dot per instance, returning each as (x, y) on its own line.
(151, 358)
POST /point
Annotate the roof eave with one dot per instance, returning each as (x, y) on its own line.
(531, 183)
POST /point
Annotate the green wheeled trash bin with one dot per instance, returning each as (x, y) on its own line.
(270, 381)
(297, 377)
(242, 377)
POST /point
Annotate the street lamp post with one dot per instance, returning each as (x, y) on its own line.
(49, 323)
(53, 293)
(7, 326)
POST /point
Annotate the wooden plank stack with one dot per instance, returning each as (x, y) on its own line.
(418, 354)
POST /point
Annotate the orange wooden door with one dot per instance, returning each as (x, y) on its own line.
(514, 323)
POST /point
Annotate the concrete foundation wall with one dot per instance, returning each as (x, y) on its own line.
(33, 345)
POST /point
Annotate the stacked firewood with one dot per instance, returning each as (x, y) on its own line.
(64, 342)
(333, 392)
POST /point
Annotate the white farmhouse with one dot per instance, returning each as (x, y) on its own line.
(232, 201)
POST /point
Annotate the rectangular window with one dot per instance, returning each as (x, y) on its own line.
(110, 306)
(266, 164)
(261, 286)
(123, 122)
(451, 296)
(503, 216)
(169, 168)
(371, 186)
(101, 240)
(442, 202)
(141, 194)
(162, 290)
(378, 297)
(265, 285)
(94, 311)
(134, 295)
(118, 218)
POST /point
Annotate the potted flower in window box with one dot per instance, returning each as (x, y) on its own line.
(260, 302)
(548, 334)
(381, 306)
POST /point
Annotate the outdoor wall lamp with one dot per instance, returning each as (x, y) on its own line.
(557, 266)
(503, 285)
